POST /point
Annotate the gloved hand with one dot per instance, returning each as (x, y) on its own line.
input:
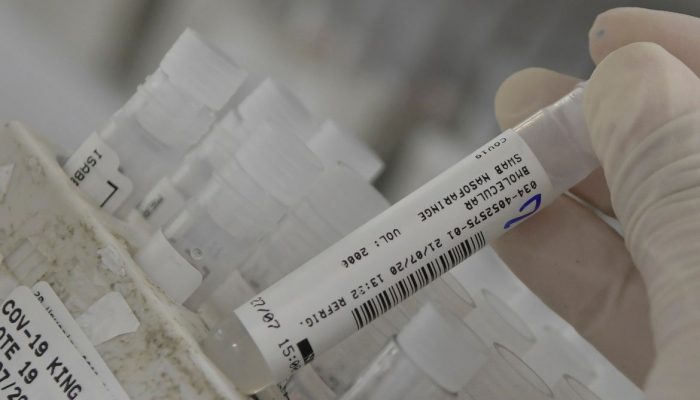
(636, 299)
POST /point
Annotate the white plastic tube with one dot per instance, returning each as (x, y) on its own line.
(507, 377)
(433, 357)
(494, 321)
(148, 137)
(219, 228)
(554, 357)
(171, 193)
(332, 145)
(570, 388)
(269, 103)
(274, 103)
(439, 225)
(339, 202)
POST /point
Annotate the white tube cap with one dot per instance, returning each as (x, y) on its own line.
(494, 321)
(168, 113)
(202, 71)
(569, 388)
(344, 199)
(334, 146)
(274, 103)
(237, 179)
(444, 347)
(280, 163)
(228, 133)
(167, 269)
(553, 356)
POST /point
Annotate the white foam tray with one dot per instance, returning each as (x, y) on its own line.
(82, 260)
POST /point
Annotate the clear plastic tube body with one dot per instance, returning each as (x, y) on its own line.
(270, 103)
(215, 149)
(146, 139)
(494, 321)
(220, 227)
(507, 377)
(433, 357)
(553, 356)
(570, 388)
(555, 155)
(393, 376)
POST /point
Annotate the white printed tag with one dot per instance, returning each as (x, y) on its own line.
(38, 361)
(62, 317)
(94, 169)
(397, 253)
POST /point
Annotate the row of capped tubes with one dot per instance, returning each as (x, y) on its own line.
(248, 205)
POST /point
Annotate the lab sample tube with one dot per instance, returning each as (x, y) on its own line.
(570, 388)
(438, 226)
(171, 193)
(219, 228)
(269, 103)
(274, 103)
(146, 139)
(553, 356)
(433, 357)
(307, 385)
(340, 201)
(506, 377)
(449, 293)
(494, 321)
(615, 386)
(333, 145)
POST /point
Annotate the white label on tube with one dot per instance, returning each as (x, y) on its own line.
(38, 361)
(94, 169)
(397, 253)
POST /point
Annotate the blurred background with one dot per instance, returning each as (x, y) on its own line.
(415, 79)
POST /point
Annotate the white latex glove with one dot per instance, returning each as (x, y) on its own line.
(642, 107)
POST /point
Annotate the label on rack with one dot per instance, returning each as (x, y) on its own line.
(37, 359)
(62, 317)
(94, 169)
(397, 253)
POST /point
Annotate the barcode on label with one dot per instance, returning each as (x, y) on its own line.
(399, 291)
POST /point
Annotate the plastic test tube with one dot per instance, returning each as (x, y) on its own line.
(506, 377)
(332, 145)
(272, 102)
(494, 321)
(339, 202)
(433, 357)
(269, 103)
(145, 140)
(435, 228)
(553, 357)
(570, 388)
(219, 228)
